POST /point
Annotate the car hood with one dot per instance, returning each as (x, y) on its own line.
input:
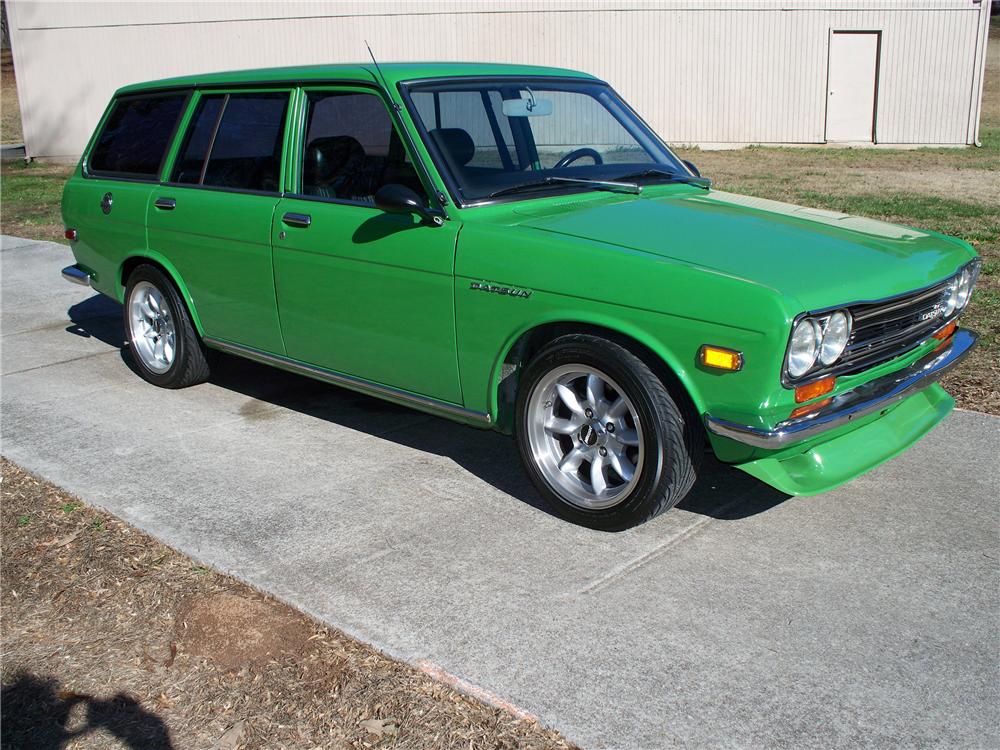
(817, 258)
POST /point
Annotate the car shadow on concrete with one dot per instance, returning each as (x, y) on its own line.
(721, 491)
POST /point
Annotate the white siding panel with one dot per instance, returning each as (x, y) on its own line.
(709, 72)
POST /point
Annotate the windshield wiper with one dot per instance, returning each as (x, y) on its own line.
(684, 179)
(630, 187)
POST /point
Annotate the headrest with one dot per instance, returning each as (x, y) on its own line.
(332, 153)
(456, 144)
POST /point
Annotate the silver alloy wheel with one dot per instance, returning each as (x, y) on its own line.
(151, 327)
(585, 436)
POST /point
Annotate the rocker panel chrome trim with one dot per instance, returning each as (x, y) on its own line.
(348, 381)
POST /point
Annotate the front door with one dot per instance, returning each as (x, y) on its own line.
(362, 292)
(852, 87)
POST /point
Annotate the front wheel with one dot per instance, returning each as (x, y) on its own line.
(600, 436)
(163, 341)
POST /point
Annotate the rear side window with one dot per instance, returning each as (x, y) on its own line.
(234, 141)
(135, 136)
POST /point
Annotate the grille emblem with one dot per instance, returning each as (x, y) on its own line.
(932, 313)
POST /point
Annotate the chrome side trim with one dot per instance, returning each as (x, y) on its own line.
(867, 398)
(348, 381)
(76, 275)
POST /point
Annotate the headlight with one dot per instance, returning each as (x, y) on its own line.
(804, 347)
(965, 283)
(951, 300)
(835, 335)
(817, 340)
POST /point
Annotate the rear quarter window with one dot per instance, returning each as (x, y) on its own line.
(135, 136)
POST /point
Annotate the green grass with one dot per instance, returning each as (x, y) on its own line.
(30, 195)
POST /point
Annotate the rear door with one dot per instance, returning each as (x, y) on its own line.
(360, 291)
(212, 218)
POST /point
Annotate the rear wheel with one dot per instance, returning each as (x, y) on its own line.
(600, 436)
(163, 342)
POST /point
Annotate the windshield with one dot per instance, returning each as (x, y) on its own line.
(525, 137)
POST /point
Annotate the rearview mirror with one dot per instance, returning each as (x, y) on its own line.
(527, 107)
(399, 199)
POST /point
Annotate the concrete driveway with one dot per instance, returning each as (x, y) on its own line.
(864, 617)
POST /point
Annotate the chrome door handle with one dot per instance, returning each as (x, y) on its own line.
(297, 220)
(167, 204)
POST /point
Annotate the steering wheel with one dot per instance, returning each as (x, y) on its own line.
(579, 153)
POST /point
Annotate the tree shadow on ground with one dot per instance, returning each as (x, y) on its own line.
(37, 715)
(721, 492)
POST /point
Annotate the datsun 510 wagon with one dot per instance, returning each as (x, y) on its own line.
(513, 247)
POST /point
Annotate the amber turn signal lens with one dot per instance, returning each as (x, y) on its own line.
(946, 332)
(809, 407)
(720, 358)
(814, 389)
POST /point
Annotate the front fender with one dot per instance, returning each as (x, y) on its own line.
(510, 281)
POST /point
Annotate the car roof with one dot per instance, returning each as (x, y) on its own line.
(394, 73)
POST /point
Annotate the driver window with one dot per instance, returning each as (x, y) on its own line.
(352, 149)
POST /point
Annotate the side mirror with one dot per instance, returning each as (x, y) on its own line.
(692, 167)
(399, 199)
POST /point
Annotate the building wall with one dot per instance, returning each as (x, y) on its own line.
(710, 73)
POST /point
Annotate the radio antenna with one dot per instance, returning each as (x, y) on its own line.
(385, 85)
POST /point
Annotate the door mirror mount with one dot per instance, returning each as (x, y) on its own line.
(692, 167)
(399, 199)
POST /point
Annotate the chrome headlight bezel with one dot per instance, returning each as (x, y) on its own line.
(811, 330)
(836, 335)
(803, 347)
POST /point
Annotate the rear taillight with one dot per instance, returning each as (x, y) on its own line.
(70, 235)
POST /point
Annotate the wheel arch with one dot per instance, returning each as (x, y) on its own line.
(153, 258)
(524, 344)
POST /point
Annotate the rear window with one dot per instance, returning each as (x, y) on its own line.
(234, 141)
(135, 136)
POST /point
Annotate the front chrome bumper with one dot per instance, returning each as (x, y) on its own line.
(875, 395)
(76, 275)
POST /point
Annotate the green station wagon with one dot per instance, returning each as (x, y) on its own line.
(513, 247)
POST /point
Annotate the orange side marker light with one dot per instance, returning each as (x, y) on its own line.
(720, 358)
(815, 389)
(809, 407)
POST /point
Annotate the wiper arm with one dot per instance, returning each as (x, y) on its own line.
(630, 187)
(677, 177)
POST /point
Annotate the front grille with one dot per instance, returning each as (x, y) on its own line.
(883, 330)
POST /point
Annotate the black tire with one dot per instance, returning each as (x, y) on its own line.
(672, 446)
(191, 360)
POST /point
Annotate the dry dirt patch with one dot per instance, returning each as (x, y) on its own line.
(237, 631)
(112, 640)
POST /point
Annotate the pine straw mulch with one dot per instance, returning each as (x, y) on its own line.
(112, 640)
